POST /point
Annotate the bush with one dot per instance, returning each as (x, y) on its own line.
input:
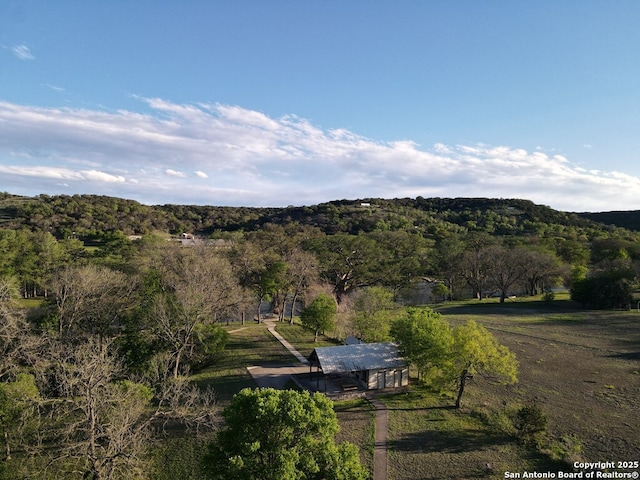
(500, 422)
(530, 423)
(549, 297)
(606, 291)
(567, 449)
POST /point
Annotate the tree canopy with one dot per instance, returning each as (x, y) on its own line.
(446, 355)
(281, 435)
(320, 314)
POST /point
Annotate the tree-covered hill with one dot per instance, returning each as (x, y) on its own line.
(629, 219)
(84, 215)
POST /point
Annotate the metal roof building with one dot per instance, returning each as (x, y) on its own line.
(376, 365)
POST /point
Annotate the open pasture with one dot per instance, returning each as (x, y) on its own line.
(581, 367)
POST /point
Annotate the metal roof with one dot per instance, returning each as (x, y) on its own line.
(357, 357)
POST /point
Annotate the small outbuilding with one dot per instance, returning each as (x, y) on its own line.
(370, 365)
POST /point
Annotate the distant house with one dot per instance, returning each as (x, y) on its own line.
(370, 365)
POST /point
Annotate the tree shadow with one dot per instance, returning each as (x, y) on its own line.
(447, 441)
(626, 356)
(422, 409)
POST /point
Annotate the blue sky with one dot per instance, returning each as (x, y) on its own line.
(271, 103)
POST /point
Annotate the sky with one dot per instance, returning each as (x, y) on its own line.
(291, 102)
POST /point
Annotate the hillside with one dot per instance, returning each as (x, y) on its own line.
(62, 215)
(629, 219)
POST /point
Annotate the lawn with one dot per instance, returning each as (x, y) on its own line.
(252, 344)
(357, 425)
(302, 338)
(248, 345)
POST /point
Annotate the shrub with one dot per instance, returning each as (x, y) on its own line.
(531, 423)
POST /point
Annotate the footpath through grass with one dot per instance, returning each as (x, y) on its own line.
(302, 338)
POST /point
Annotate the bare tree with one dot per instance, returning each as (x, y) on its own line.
(100, 421)
(91, 299)
(473, 265)
(18, 345)
(303, 271)
(542, 270)
(505, 268)
(200, 290)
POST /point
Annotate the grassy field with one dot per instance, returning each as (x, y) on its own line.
(428, 439)
(357, 425)
(581, 367)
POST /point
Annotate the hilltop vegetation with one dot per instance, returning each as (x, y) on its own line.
(63, 214)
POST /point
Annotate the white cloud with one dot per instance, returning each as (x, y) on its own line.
(61, 173)
(253, 159)
(174, 173)
(22, 52)
(53, 87)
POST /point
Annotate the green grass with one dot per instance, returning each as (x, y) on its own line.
(28, 303)
(357, 426)
(561, 303)
(249, 345)
(302, 338)
(428, 439)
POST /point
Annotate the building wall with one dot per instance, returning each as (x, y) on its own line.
(392, 378)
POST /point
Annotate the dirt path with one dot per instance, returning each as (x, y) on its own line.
(380, 462)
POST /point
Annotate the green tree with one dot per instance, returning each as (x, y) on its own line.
(273, 286)
(476, 351)
(348, 261)
(440, 292)
(320, 314)
(449, 356)
(281, 435)
(374, 310)
(425, 339)
(17, 398)
(605, 290)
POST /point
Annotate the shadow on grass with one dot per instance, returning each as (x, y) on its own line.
(448, 441)
(423, 409)
(509, 307)
(627, 356)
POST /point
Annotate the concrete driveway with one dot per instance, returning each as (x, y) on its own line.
(275, 376)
